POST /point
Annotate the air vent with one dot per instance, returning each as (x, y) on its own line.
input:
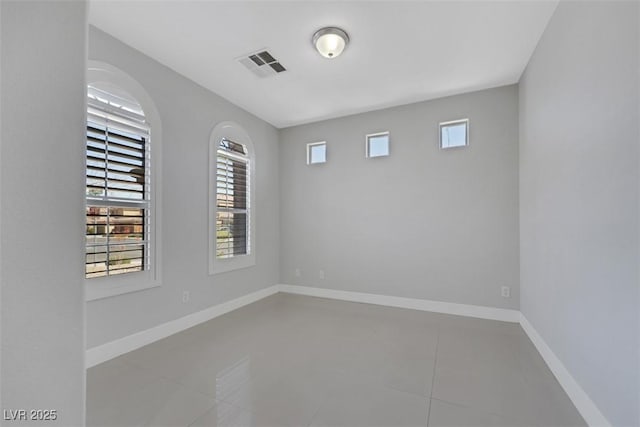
(262, 63)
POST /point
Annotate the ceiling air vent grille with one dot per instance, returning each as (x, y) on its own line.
(262, 64)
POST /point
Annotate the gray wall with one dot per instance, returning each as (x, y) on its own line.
(188, 114)
(579, 199)
(41, 184)
(421, 223)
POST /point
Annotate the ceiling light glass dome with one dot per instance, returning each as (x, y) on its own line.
(330, 41)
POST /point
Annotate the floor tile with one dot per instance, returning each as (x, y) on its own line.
(363, 405)
(291, 360)
(225, 415)
(445, 414)
(111, 377)
(550, 405)
(457, 345)
(409, 374)
(288, 397)
(160, 403)
(109, 386)
(485, 387)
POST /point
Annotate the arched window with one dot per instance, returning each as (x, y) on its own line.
(118, 183)
(231, 217)
(122, 151)
(232, 199)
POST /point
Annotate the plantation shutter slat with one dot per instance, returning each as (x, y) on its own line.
(232, 200)
(117, 186)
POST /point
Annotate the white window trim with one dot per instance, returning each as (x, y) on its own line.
(313, 144)
(234, 132)
(449, 123)
(103, 287)
(373, 135)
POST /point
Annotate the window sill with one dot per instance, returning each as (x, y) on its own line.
(225, 265)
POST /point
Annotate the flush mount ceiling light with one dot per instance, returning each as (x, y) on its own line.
(330, 41)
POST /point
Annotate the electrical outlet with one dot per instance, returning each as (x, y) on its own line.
(186, 296)
(321, 274)
(506, 292)
(298, 273)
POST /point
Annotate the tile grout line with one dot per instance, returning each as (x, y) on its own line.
(433, 375)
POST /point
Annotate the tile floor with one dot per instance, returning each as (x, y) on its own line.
(302, 361)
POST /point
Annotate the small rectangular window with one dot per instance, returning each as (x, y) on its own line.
(454, 133)
(316, 153)
(377, 144)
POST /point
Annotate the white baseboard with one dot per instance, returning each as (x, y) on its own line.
(482, 312)
(110, 350)
(578, 396)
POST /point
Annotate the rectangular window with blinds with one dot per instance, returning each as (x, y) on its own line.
(117, 185)
(232, 200)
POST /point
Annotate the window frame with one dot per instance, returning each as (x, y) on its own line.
(233, 132)
(374, 135)
(232, 180)
(108, 286)
(316, 144)
(453, 123)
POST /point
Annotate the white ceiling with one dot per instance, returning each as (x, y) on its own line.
(400, 52)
